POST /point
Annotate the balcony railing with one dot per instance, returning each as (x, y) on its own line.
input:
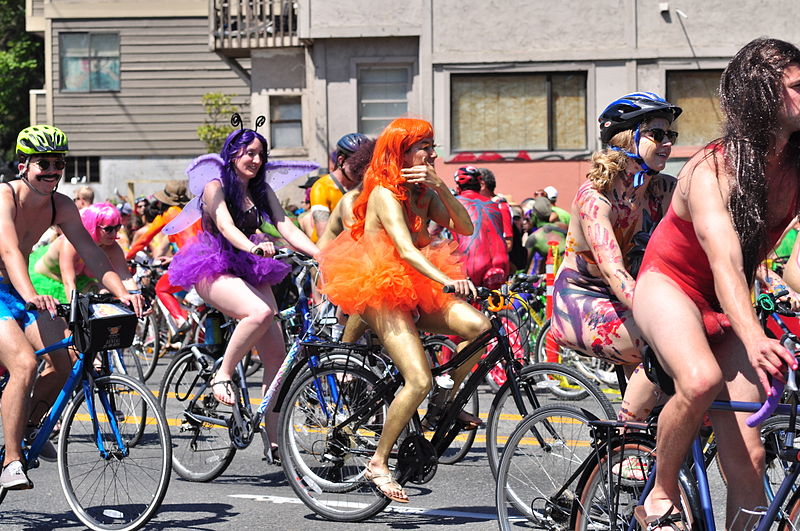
(242, 24)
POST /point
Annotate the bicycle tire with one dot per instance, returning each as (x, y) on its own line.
(504, 414)
(772, 434)
(604, 505)
(200, 452)
(147, 343)
(545, 449)
(83, 469)
(792, 511)
(326, 469)
(120, 364)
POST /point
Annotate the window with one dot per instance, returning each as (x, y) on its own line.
(696, 92)
(89, 62)
(510, 112)
(286, 121)
(382, 96)
(82, 170)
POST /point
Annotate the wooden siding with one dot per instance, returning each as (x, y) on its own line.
(165, 68)
(37, 8)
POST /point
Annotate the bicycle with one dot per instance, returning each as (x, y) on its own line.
(598, 492)
(332, 416)
(103, 440)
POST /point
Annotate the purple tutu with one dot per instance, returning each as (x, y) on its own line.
(210, 256)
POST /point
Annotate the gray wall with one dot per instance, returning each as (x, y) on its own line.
(165, 68)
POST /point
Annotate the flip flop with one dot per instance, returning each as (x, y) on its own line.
(385, 483)
(229, 397)
(668, 520)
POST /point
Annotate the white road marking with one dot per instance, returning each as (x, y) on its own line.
(391, 508)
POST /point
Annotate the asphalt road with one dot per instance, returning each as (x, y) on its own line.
(254, 495)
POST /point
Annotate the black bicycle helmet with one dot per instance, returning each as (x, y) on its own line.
(348, 144)
(632, 109)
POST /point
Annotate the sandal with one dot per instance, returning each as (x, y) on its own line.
(227, 398)
(631, 468)
(469, 421)
(385, 483)
(668, 520)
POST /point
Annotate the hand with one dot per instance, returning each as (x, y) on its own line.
(163, 260)
(463, 288)
(424, 175)
(44, 302)
(135, 301)
(264, 249)
(792, 298)
(768, 357)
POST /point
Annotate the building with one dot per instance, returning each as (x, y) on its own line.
(513, 85)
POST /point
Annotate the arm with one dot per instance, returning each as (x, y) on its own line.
(445, 209)
(717, 236)
(594, 211)
(290, 232)
(508, 231)
(68, 262)
(154, 228)
(117, 258)
(335, 224)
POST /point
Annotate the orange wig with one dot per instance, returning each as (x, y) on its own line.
(384, 169)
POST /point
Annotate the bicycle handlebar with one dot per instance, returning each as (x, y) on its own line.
(776, 389)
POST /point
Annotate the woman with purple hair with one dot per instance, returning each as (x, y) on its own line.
(231, 266)
(56, 269)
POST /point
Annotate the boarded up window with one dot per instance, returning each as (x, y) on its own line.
(89, 62)
(510, 112)
(382, 96)
(696, 92)
(286, 121)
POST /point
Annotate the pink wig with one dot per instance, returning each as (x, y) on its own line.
(99, 215)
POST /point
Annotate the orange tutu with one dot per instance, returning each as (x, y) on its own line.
(370, 272)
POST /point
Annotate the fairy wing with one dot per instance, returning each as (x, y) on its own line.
(279, 173)
(200, 171)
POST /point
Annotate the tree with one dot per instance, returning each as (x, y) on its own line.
(216, 127)
(21, 60)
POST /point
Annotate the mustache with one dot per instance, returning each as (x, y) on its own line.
(49, 176)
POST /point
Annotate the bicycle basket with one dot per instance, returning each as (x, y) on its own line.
(104, 326)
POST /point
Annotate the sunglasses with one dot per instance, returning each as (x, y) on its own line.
(44, 164)
(658, 134)
(111, 228)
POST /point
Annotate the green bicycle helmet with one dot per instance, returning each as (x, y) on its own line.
(41, 139)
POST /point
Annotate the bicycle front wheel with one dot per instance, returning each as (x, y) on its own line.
(147, 343)
(202, 450)
(536, 383)
(542, 454)
(122, 486)
(324, 460)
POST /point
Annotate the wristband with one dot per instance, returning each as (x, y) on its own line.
(135, 292)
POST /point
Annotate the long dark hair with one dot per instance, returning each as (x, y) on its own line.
(233, 148)
(751, 95)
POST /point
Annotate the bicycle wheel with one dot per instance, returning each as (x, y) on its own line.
(536, 383)
(324, 460)
(201, 451)
(121, 489)
(541, 455)
(130, 366)
(607, 498)
(773, 434)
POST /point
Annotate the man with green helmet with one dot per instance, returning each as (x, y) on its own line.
(28, 206)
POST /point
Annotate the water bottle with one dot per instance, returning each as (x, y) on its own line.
(213, 328)
(442, 385)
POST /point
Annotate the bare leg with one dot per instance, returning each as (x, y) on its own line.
(16, 354)
(665, 313)
(254, 308)
(47, 331)
(354, 329)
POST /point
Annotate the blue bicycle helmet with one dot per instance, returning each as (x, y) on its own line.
(631, 110)
(628, 112)
(348, 144)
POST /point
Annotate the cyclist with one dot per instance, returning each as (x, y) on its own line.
(624, 196)
(734, 199)
(538, 242)
(486, 257)
(386, 269)
(329, 189)
(28, 206)
(224, 266)
(56, 269)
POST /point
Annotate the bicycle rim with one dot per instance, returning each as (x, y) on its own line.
(541, 455)
(118, 491)
(538, 380)
(325, 466)
(201, 451)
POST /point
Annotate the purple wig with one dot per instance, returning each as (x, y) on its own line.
(234, 147)
(99, 215)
